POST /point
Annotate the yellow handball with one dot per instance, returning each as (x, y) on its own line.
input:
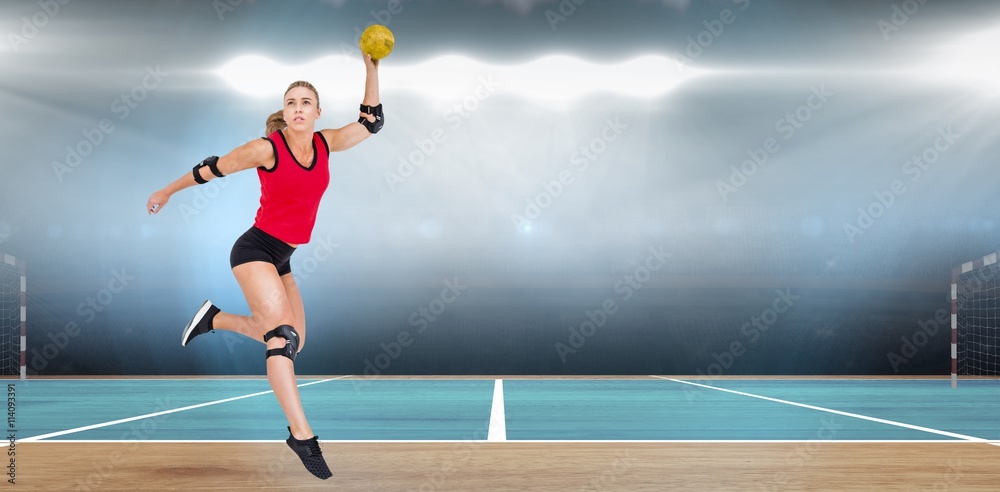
(377, 40)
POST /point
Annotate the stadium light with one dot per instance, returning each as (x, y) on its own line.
(969, 60)
(554, 77)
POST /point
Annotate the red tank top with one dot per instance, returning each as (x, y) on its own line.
(290, 191)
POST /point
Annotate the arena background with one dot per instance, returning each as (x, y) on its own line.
(787, 197)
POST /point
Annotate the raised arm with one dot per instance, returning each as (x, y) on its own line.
(247, 156)
(354, 133)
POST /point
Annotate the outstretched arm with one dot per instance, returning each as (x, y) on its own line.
(354, 133)
(247, 156)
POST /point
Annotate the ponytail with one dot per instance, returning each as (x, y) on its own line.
(275, 122)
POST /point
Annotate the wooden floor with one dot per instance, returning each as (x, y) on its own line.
(147, 466)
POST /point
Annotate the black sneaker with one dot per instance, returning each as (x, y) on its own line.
(201, 323)
(310, 455)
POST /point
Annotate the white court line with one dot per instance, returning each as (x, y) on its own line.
(837, 412)
(486, 378)
(157, 414)
(537, 441)
(498, 421)
(99, 379)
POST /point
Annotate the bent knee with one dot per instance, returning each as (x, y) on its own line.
(302, 337)
(265, 323)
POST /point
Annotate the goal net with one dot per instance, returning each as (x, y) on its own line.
(12, 317)
(975, 320)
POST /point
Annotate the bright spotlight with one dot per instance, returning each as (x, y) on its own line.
(970, 60)
(553, 78)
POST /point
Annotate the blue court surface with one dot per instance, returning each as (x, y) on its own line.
(655, 409)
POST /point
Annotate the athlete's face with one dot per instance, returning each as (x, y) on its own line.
(301, 110)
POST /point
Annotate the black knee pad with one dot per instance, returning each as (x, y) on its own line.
(291, 342)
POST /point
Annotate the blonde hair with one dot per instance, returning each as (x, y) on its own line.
(276, 121)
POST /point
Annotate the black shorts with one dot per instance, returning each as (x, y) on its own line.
(257, 245)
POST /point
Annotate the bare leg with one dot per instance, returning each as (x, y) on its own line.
(236, 323)
(298, 310)
(244, 325)
(270, 308)
(300, 429)
(281, 376)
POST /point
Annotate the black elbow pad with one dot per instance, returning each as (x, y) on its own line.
(212, 163)
(376, 111)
